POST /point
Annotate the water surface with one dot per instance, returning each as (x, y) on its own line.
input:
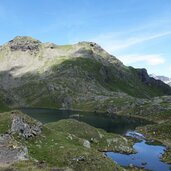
(115, 124)
(148, 154)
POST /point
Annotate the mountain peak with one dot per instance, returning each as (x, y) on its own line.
(24, 43)
(24, 38)
(92, 45)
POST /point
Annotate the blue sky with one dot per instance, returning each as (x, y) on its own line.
(138, 32)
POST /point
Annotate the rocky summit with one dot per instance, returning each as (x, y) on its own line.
(80, 76)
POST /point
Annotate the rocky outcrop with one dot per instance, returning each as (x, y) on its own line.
(165, 79)
(24, 44)
(143, 75)
(11, 151)
(25, 129)
(67, 103)
(145, 78)
(86, 144)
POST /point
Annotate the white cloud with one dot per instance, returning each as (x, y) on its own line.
(150, 59)
(112, 43)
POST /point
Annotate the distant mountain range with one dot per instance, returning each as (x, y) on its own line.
(165, 79)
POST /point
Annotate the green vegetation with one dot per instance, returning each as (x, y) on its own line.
(61, 144)
(98, 138)
(58, 147)
(5, 122)
(66, 47)
(3, 107)
(158, 131)
(112, 78)
(82, 73)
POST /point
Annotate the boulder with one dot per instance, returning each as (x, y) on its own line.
(23, 128)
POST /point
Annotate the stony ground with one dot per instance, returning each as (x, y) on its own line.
(10, 151)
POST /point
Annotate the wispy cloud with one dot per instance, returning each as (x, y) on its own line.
(154, 28)
(112, 43)
(150, 59)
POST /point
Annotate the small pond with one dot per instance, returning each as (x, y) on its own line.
(148, 153)
(147, 156)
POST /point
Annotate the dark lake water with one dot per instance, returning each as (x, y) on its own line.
(148, 154)
(116, 124)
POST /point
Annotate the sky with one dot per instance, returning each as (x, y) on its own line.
(138, 32)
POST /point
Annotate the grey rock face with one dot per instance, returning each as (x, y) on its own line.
(24, 129)
(166, 80)
(80, 158)
(86, 144)
(145, 78)
(67, 102)
(24, 44)
(112, 109)
(143, 75)
(11, 151)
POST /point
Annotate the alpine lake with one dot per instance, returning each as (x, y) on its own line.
(148, 153)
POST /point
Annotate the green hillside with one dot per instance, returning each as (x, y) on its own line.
(36, 74)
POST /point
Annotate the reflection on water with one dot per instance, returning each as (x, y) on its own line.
(147, 156)
(148, 153)
(116, 124)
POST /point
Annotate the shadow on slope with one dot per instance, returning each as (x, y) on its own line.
(74, 78)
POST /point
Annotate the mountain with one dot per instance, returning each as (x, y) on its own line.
(81, 76)
(166, 80)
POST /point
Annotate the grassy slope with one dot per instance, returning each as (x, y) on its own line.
(99, 139)
(94, 68)
(5, 122)
(111, 77)
(3, 107)
(75, 76)
(56, 148)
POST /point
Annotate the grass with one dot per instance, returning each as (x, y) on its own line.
(5, 122)
(62, 142)
(158, 131)
(3, 106)
(111, 77)
(66, 47)
(56, 147)
(99, 138)
(71, 77)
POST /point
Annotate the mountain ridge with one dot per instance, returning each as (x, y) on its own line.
(165, 79)
(78, 76)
